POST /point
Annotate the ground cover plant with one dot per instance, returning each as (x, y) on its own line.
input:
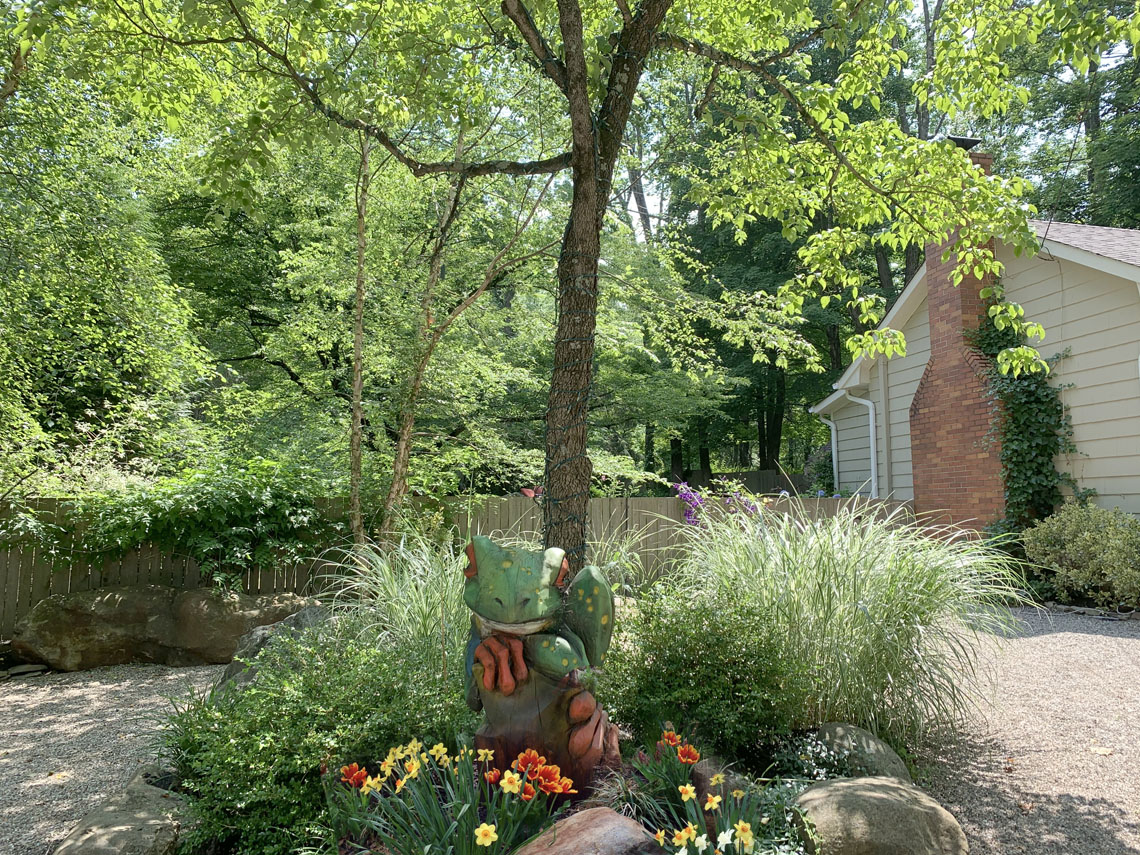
(852, 618)
(390, 664)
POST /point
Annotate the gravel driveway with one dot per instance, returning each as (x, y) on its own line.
(1054, 766)
(67, 741)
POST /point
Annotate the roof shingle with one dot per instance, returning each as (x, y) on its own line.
(1119, 244)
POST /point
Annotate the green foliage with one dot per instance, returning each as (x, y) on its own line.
(251, 760)
(805, 756)
(1091, 552)
(433, 801)
(874, 621)
(1033, 427)
(230, 519)
(708, 662)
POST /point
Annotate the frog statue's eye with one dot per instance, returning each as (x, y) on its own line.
(471, 569)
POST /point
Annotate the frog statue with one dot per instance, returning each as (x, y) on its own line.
(532, 637)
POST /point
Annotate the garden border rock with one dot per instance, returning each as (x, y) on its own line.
(140, 819)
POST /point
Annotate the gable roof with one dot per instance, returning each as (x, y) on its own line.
(1113, 251)
(1118, 244)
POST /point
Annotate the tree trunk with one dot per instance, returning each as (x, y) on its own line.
(596, 142)
(355, 513)
(676, 459)
(649, 458)
(704, 460)
(638, 190)
(775, 415)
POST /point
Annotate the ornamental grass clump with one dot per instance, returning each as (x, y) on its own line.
(876, 621)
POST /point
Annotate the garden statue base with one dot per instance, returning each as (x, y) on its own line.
(534, 632)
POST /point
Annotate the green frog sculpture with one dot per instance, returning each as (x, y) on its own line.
(534, 632)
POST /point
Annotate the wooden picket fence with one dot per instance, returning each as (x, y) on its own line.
(648, 526)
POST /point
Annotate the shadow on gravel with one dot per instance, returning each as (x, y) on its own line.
(981, 788)
(1032, 623)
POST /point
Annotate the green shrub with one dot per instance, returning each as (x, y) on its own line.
(873, 622)
(707, 662)
(251, 760)
(1092, 552)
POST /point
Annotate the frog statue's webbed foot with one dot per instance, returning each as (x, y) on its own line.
(593, 738)
(503, 665)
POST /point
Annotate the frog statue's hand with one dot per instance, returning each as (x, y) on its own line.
(593, 740)
(502, 661)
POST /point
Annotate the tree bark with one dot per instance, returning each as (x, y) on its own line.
(355, 513)
(676, 459)
(596, 142)
(704, 458)
(649, 458)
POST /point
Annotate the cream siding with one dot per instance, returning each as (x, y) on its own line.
(854, 448)
(903, 374)
(1096, 316)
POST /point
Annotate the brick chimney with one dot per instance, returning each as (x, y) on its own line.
(955, 463)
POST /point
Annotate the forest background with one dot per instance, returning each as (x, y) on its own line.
(173, 334)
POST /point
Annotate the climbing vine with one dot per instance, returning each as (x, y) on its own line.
(1033, 426)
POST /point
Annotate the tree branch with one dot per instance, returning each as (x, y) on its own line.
(551, 65)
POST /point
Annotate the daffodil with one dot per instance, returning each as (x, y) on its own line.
(438, 751)
(412, 767)
(744, 838)
(680, 838)
(511, 783)
(370, 783)
(712, 802)
(485, 835)
(687, 791)
(701, 843)
(716, 780)
(660, 837)
(690, 832)
(724, 838)
(738, 794)
(486, 755)
(414, 747)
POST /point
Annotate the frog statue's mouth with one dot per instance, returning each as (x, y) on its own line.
(488, 627)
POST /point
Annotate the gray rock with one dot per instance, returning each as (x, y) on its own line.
(868, 754)
(876, 816)
(153, 623)
(140, 820)
(26, 670)
(597, 831)
(243, 670)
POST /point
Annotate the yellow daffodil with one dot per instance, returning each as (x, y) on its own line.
(744, 838)
(660, 837)
(438, 751)
(386, 766)
(414, 747)
(690, 832)
(716, 780)
(511, 783)
(370, 783)
(486, 755)
(412, 767)
(400, 784)
(680, 838)
(712, 802)
(738, 794)
(687, 791)
(485, 835)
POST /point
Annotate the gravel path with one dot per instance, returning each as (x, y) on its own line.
(1054, 766)
(67, 741)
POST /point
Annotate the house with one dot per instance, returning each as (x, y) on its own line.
(915, 427)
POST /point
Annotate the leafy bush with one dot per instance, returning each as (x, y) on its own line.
(706, 661)
(1091, 551)
(779, 621)
(251, 760)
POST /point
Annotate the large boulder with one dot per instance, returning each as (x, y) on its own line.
(242, 671)
(877, 816)
(867, 754)
(153, 623)
(597, 831)
(140, 820)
